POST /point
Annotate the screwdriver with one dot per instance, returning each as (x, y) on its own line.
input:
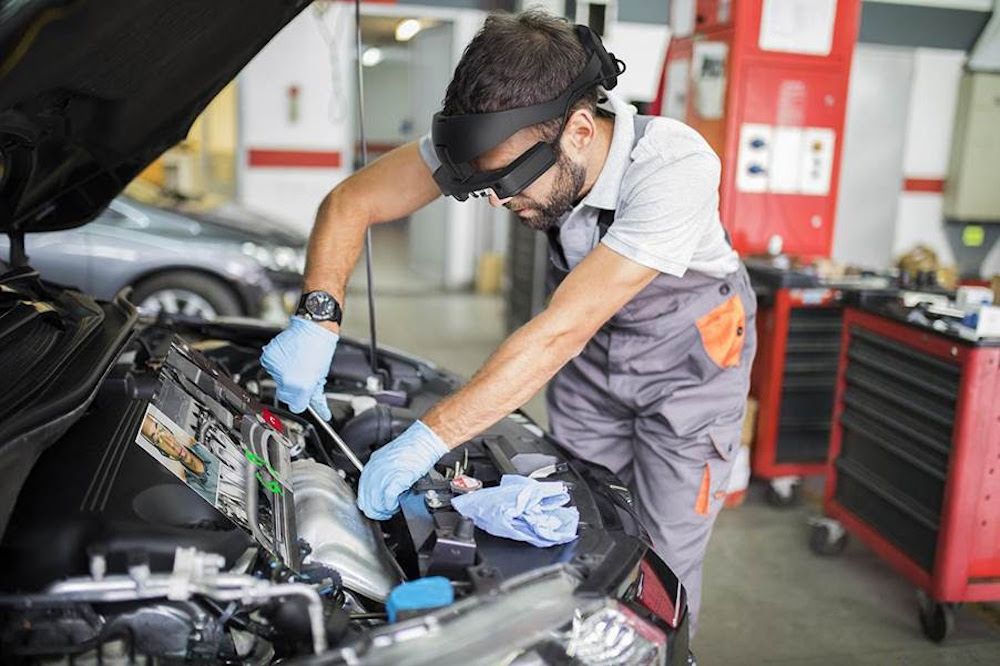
(344, 448)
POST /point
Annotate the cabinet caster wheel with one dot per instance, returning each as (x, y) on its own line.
(784, 492)
(827, 537)
(937, 620)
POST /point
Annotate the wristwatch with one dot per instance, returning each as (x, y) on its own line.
(319, 306)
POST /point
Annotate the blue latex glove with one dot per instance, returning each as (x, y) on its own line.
(523, 509)
(395, 467)
(299, 360)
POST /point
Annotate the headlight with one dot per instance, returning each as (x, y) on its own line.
(280, 258)
(608, 635)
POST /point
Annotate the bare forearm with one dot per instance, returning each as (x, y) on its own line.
(335, 244)
(516, 371)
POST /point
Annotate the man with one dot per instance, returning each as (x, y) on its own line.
(651, 326)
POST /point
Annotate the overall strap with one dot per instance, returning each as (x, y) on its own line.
(555, 244)
(606, 217)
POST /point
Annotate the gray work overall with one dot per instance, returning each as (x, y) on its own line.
(658, 396)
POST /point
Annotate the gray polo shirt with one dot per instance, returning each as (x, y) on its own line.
(665, 194)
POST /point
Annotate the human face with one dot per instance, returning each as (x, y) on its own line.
(165, 441)
(548, 198)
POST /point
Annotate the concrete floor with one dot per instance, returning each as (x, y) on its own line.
(768, 599)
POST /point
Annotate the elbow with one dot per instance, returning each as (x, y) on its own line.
(564, 344)
(573, 344)
(340, 204)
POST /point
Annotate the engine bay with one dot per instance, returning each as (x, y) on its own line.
(187, 515)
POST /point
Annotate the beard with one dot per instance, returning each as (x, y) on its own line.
(569, 181)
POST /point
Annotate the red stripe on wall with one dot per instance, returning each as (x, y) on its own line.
(923, 185)
(306, 159)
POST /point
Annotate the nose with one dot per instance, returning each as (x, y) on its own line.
(496, 201)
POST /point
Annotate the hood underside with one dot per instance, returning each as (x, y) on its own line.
(92, 91)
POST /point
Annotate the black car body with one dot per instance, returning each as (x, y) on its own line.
(155, 501)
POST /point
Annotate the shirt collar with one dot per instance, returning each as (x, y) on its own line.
(604, 193)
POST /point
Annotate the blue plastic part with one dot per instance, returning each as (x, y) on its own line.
(420, 594)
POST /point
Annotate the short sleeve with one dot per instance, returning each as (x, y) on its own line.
(427, 153)
(665, 209)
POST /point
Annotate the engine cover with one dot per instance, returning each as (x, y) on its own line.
(197, 463)
(338, 534)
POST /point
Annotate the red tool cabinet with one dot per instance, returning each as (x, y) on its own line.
(914, 466)
(793, 380)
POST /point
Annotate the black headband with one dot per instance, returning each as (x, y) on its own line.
(460, 139)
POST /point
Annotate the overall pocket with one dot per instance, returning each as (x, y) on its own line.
(723, 331)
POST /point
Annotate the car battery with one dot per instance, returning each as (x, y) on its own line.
(914, 456)
(793, 377)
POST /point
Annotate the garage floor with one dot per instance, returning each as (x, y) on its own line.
(768, 599)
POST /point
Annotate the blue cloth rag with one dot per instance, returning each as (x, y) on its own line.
(523, 509)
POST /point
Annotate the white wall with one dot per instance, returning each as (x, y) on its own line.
(933, 97)
(297, 56)
(878, 101)
(901, 110)
(642, 46)
(387, 87)
(453, 226)
(323, 70)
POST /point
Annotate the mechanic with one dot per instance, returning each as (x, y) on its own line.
(648, 337)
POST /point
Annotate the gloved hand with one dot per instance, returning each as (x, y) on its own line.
(395, 467)
(523, 509)
(299, 360)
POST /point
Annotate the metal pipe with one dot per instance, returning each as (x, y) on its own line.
(266, 591)
(369, 270)
(341, 444)
(219, 587)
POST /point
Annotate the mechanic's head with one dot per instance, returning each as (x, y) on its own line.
(518, 60)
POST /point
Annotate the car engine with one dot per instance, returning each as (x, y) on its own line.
(187, 516)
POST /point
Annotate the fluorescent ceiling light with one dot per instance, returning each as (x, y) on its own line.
(371, 56)
(406, 29)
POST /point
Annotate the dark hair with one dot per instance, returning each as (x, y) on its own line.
(518, 60)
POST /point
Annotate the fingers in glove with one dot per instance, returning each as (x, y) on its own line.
(296, 399)
(319, 403)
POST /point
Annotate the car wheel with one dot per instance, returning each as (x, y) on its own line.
(186, 293)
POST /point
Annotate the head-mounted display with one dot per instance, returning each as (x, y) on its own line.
(459, 140)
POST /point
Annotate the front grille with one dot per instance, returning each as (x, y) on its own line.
(808, 385)
(899, 410)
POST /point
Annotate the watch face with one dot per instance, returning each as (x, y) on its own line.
(320, 305)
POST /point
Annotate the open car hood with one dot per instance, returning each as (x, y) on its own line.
(92, 91)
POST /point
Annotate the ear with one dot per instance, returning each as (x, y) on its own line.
(581, 130)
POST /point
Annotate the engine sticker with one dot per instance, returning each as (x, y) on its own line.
(180, 453)
(206, 431)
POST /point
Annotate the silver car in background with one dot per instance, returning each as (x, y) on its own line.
(225, 262)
